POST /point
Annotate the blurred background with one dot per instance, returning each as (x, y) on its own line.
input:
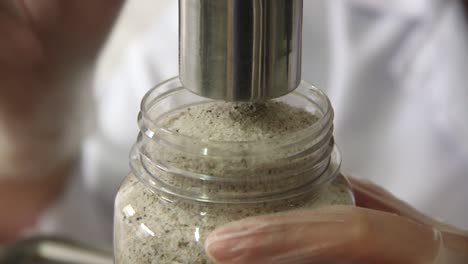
(410, 93)
(395, 72)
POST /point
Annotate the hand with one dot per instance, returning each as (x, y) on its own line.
(382, 230)
(47, 54)
(48, 49)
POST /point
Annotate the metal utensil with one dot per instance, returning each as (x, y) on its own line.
(238, 50)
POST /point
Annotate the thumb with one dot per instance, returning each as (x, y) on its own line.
(332, 234)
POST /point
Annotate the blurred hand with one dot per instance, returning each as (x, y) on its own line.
(52, 32)
(47, 53)
(48, 49)
(382, 230)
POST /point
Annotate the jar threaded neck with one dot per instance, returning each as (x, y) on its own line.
(237, 172)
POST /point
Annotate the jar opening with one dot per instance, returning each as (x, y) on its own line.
(227, 171)
(160, 100)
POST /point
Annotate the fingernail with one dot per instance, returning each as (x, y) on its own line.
(228, 242)
(231, 231)
(242, 241)
(231, 249)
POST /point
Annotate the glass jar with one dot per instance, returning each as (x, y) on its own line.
(181, 188)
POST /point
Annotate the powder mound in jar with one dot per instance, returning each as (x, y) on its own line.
(236, 122)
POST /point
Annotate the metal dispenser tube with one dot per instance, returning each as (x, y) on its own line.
(240, 50)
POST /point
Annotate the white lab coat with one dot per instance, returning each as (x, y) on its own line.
(395, 71)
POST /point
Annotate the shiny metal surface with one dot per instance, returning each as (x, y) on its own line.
(240, 50)
(50, 250)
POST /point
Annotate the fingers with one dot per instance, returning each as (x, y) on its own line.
(372, 196)
(329, 234)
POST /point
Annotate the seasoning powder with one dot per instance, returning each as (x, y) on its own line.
(151, 227)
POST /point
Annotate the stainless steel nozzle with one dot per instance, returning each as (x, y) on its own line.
(240, 50)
